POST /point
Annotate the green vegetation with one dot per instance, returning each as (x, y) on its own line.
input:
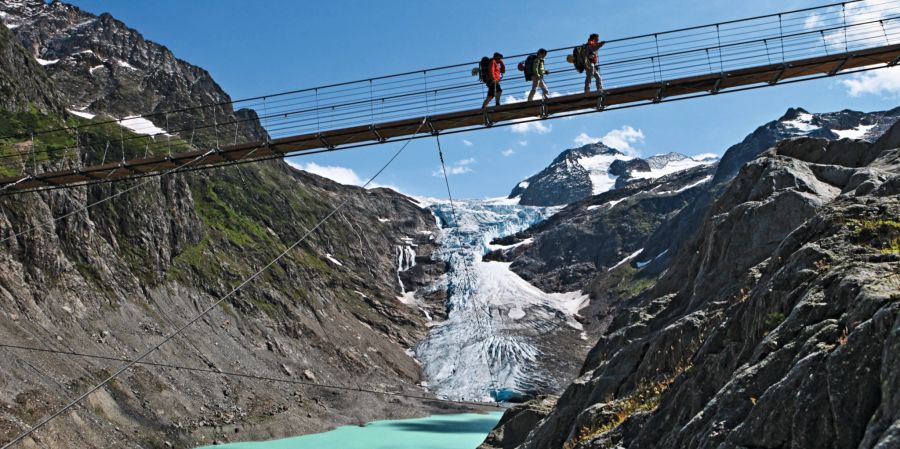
(880, 233)
(645, 398)
(774, 319)
(220, 215)
(20, 151)
(627, 282)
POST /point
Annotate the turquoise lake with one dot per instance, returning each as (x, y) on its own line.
(463, 431)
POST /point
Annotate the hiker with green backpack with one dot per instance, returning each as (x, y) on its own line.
(534, 72)
(585, 59)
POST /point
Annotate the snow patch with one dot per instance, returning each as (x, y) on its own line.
(384, 220)
(46, 61)
(626, 259)
(125, 64)
(672, 167)
(687, 187)
(516, 313)
(95, 68)
(408, 298)
(333, 260)
(82, 114)
(802, 123)
(527, 241)
(503, 201)
(598, 170)
(140, 125)
(644, 264)
(856, 133)
(524, 184)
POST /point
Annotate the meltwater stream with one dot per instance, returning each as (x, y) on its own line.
(500, 340)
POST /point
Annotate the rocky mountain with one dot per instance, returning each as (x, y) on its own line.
(100, 65)
(797, 122)
(22, 82)
(770, 321)
(595, 168)
(109, 283)
(592, 169)
(591, 236)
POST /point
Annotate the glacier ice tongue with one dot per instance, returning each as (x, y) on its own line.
(488, 347)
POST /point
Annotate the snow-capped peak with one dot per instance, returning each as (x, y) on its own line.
(597, 167)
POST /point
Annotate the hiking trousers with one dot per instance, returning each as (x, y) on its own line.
(535, 83)
(592, 71)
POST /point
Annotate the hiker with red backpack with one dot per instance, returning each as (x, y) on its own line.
(585, 59)
(491, 71)
(534, 72)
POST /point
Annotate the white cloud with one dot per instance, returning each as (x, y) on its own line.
(537, 127)
(467, 143)
(523, 143)
(342, 175)
(702, 156)
(459, 168)
(584, 139)
(620, 139)
(508, 152)
(866, 24)
(884, 82)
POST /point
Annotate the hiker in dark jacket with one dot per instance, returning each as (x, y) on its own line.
(537, 76)
(493, 80)
(591, 68)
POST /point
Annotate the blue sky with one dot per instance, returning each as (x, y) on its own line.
(262, 47)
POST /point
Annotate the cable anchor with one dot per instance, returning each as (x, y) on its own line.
(377, 134)
(434, 131)
(325, 142)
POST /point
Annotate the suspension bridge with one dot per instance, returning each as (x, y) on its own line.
(732, 56)
(745, 54)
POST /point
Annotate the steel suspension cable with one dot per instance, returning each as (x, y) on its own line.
(437, 139)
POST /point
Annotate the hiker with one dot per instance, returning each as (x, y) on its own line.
(491, 75)
(591, 68)
(537, 75)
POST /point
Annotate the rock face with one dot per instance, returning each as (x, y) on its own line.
(591, 236)
(592, 169)
(564, 180)
(777, 326)
(23, 83)
(797, 122)
(111, 282)
(98, 64)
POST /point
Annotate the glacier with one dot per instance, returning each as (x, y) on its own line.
(500, 330)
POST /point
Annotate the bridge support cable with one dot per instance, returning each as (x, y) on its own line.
(131, 363)
(437, 138)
